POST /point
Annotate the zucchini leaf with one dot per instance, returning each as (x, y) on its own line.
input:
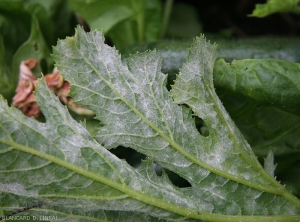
(262, 96)
(66, 167)
(64, 164)
(267, 81)
(275, 6)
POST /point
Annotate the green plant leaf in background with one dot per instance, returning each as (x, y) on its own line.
(262, 96)
(262, 80)
(184, 22)
(275, 6)
(175, 52)
(102, 14)
(6, 84)
(27, 31)
(54, 16)
(15, 29)
(35, 47)
(137, 20)
(14, 25)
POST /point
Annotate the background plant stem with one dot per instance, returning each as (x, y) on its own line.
(166, 16)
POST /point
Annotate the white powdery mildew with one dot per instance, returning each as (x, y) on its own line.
(225, 148)
(71, 148)
(145, 106)
(215, 159)
(230, 198)
(167, 191)
(206, 111)
(178, 161)
(145, 119)
(17, 188)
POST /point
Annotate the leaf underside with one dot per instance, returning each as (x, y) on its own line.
(83, 180)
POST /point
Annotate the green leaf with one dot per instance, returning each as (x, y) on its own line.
(137, 20)
(6, 83)
(103, 14)
(267, 115)
(15, 29)
(275, 6)
(136, 111)
(54, 17)
(262, 96)
(267, 127)
(35, 47)
(265, 81)
(79, 179)
(175, 52)
(14, 26)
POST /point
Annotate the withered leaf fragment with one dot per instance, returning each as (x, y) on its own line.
(25, 99)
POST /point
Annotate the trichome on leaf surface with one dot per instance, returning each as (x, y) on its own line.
(59, 161)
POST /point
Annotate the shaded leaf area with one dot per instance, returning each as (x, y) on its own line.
(184, 22)
(28, 31)
(268, 128)
(19, 13)
(262, 96)
(6, 85)
(134, 106)
(265, 81)
(275, 6)
(66, 166)
(137, 20)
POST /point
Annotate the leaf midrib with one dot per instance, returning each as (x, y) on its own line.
(121, 187)
(146, 198)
